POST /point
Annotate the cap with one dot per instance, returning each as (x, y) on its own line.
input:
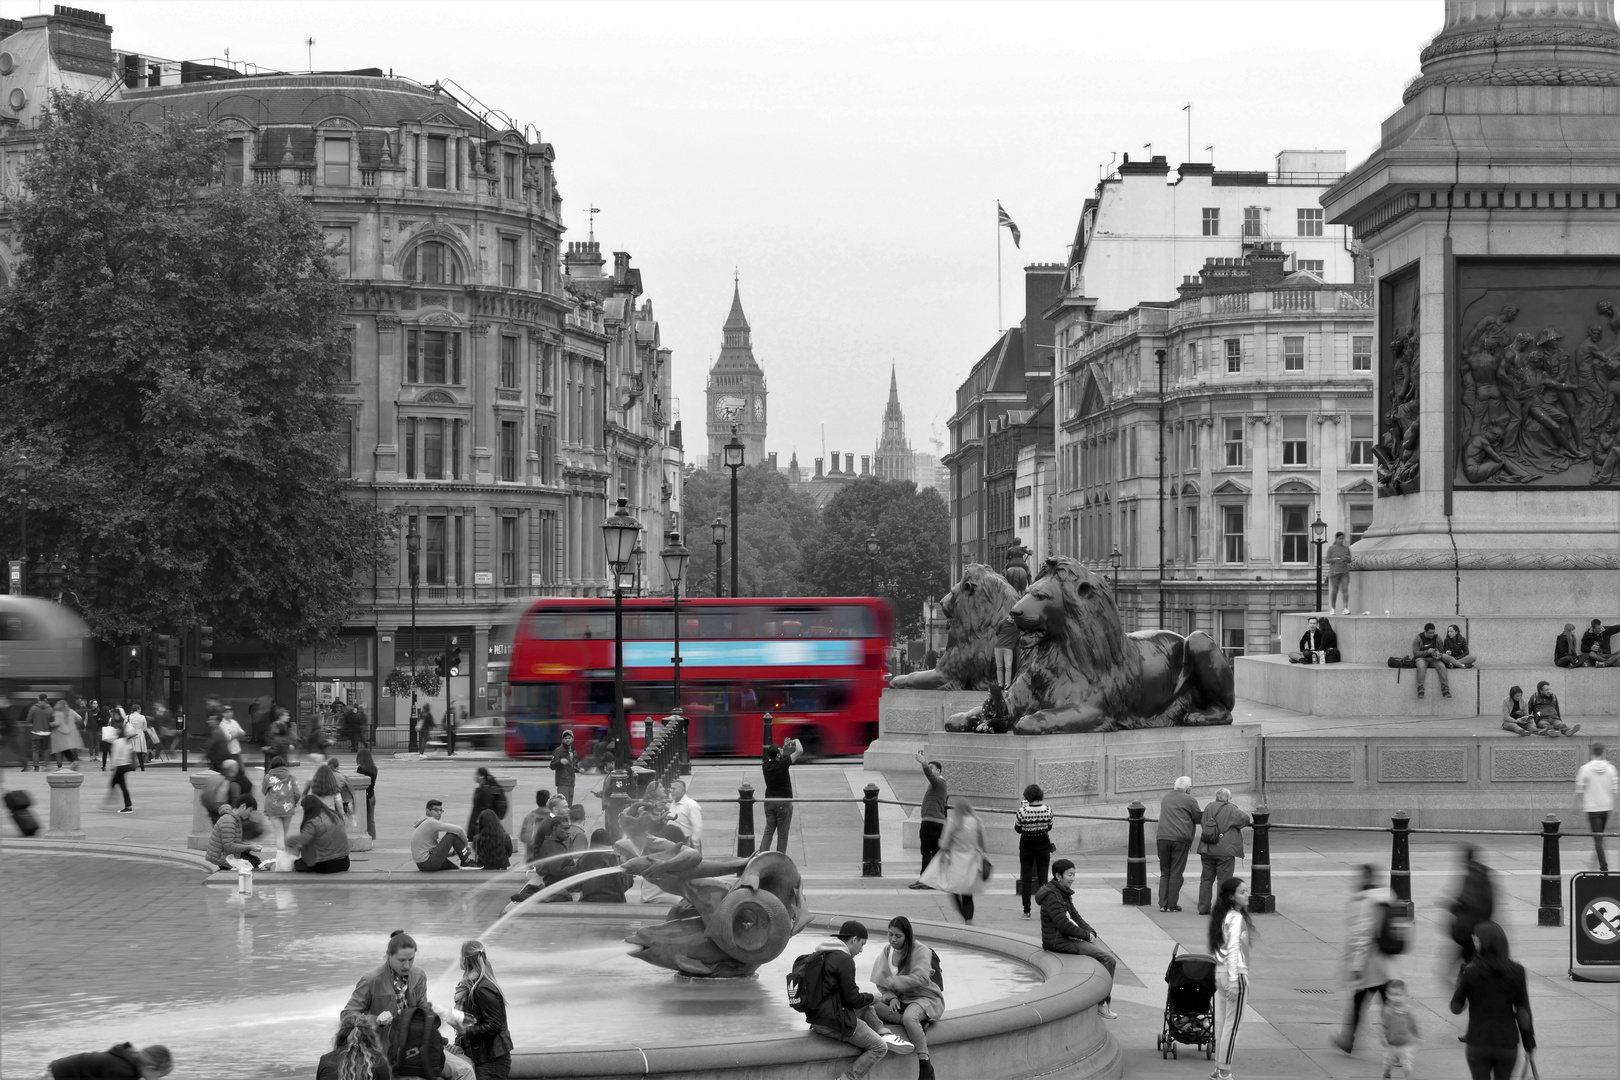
(852, 928)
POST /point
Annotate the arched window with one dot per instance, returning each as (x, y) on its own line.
(433, 262)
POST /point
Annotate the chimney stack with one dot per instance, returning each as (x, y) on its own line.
(772, 457)
(866, 465)
(818, 468)
(834, 470)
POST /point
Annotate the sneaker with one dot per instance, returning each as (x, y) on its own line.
(1346, 611)
(1026, 914)
(1445, 691)
(127, 810)
(1420, 693)
(1576, 730)
(918, 885)
(896, 1044)
(1107, 1013)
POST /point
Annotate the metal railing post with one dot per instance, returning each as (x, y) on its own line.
(1400, 858)
(1551, 911)
(745, 820)
(1136, 892)
(1261, 900)
(871, 842)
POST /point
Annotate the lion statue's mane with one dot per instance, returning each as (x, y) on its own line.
(1079, 671)
(980, 601)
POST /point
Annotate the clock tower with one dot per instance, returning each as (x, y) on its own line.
(736, 393)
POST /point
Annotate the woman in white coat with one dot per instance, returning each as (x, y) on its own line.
(960, 867)
(1366, 966)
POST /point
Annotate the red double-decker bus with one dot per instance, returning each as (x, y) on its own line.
(815, 664)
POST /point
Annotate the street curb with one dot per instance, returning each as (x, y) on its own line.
(157, 854)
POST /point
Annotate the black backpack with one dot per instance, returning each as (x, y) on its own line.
(415, 1047)
(806, 983)
(1394, 930)
(935, 973)
(499, 804)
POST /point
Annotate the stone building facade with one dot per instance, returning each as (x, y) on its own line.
(494, 401)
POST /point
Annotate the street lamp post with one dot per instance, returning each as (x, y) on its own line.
(719, 528)
(619, 535)
(734, 461)
(1114, 559)
(676, 556)
(22, 563)
(413, 546)
(639, 556)
(1318, 534)
(873, 548)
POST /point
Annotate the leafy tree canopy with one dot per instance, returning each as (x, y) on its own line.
(774, 521)
(913, 531)
(171, 352)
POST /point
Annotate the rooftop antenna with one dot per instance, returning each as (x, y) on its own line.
(593, 211)
(1211, 149)
(309, 44)
(1187, 108)
(1149, 148)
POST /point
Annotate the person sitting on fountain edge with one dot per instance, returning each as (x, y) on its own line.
(1064, 931)
(393, 988)
(845, 1012)
(434, 841)
(686, 814)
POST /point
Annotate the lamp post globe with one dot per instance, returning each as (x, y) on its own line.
(874, 547)
(719, 528)
(620, 534)
(638, 558)
(1318, 537)
(1116, 557)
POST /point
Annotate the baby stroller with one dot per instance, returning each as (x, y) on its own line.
(1189, 1005)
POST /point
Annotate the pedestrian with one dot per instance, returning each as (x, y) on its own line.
(123, 762)
(1454, 651)
(1366, 968)
(322, 842)
(490, 843)
(1400, 1029)
(960, 868)
(1596, 784)
(1064, 931)
(534, 819)
(424, 729)
(1033, 824)
(122, 1062)
(108, 732)
(479, 1016)
(233, 733)
(845, 1012)
(280, 804)
(352, 728)
(777, 765)
(1492, 987)
(932, 814)
(1231, 931)
(357, 1052)
(226, 842)
(1474, 903)
(908, 994)
(1426, 654)
(65, 740)
(565, 763)
(433, 842)
(345, 792)
(388, 992)
(686, 815)
(366, 766)
(450, 732)
(606, 888)
(38, 724)
(487, 794)
(1337, 561)
(1220, 844)
(1179, 817)
(280, 737)
(324, 785)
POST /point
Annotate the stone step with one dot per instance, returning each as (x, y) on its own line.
(1495, 639)
(1350, 689)
(1581, 691)
(1367, 639)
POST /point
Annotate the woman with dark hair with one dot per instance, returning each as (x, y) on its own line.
(1454, 649)
(487, 795)
(1034, 828)
(908, 994)
(1493, 988)
(357, 1052)
(491, 843)
(1474, 903)
(1330, 642)
(1516, 714)
(1231, 931)
(480, 1015)
(366, 765)
(322, 841)
(280, 804)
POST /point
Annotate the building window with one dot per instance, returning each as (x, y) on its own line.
(1192, 534)
(433, 263)
(509, 364)
(349, 350)
(1294, 442)
(433, 550)
(1360, 520)
(1234, 442)
(433, 356)
(1234, 354)
(1296, 537)
(1361, 439)
(509, 546)
(1251, 221)
(457, 556)
(513, 177)
(235, 160)
(1232, 535)
(1192, 359)
(1310, 222)
(436, 156)
(1212, 221)
(1232, 638)
(433, 449)
(339, 249)
(509, 450)
(410, 448)
(509, 261)
(1361, 353)
(1311, 266)
(1293, 354)
(1192, 448)
(346, 449)
(336, 158)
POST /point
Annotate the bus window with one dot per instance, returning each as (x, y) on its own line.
(536, 701)
(571, 625)
(599, 698)
(648, 625)
(657, 699)
(853, 622)
(711, 623)
(705, 699)
(806, 697)
(14, 628)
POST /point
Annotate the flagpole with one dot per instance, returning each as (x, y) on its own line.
(999, 324)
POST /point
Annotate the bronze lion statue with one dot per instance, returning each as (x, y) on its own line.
(979, 601)
(1080, 672)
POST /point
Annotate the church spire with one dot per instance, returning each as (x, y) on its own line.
(736, 320)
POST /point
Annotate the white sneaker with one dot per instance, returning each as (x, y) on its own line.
(896, 1044)
(1106, 1013)
(1346, 611)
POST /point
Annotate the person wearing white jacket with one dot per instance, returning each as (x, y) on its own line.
(122, 762)
(1597, 783)
(1230, 932)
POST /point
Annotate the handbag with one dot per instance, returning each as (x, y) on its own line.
(986, 868)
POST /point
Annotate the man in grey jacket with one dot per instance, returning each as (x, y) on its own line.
(1179, 815)
(1220, 844)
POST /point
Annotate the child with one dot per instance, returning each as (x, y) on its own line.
(1400, 1029)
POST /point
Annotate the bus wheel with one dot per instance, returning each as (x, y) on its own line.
(752, 926)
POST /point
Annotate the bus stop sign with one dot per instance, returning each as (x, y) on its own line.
(1595, 930)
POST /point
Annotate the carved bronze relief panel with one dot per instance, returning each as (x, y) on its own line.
(1537, 385)
(1398, 385)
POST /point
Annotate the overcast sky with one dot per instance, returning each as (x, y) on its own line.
(846, 158)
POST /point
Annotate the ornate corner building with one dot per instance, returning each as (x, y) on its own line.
(496, 402)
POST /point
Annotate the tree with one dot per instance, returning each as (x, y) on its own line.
(774, 522)
(171, 350)
(913, 530)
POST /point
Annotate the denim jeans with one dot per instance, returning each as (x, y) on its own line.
(1172, 868)
(864, 1038)
(778, 816)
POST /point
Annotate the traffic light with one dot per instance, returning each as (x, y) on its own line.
(455, 660)
(438, 665)
(166, 649)
(205, 643)
(132, 660)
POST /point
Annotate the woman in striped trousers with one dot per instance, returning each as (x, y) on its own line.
(1230, 932)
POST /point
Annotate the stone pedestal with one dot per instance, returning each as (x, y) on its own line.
(64, 785)
(201, 827)
(508, 785)
(908, 718)
(360, 835)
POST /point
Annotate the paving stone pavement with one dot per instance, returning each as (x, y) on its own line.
(1285, 1032)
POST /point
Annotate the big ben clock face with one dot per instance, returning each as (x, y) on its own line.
(759, 407)
(729, 407)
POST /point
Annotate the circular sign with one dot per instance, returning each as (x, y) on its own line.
(1601, 920)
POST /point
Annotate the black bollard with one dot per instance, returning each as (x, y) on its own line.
(1261, 902)
(1400, 858)
(770, 730)
(871, 842)
(1136, 892)
(745, 821)
(1551, 911)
